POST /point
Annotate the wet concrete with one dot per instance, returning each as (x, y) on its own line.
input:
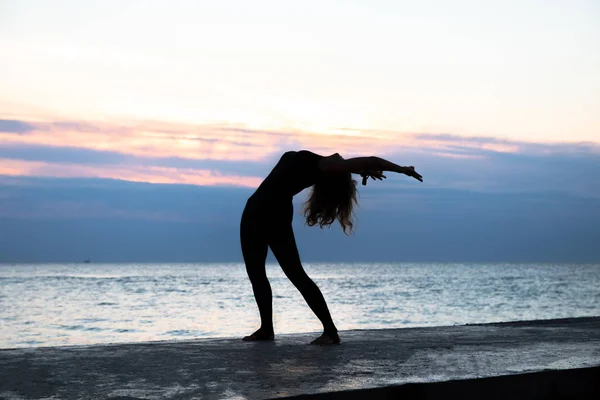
(563, 384)
(230, 368)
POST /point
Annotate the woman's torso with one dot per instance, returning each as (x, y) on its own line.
(294, 172)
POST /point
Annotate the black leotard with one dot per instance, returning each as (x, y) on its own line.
(294, 172)
(267, 222)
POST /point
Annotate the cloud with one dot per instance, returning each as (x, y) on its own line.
(38, 198)
(15, 126)
(229, 154)
(486, 145)
(200, 142)
(69, 209)
(44, 219)
(135, 173)
(75, 155)
(234, 142)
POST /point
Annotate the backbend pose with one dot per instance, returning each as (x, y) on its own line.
(267, 222)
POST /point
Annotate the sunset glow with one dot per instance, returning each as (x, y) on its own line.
(135, 173)
(230, 82)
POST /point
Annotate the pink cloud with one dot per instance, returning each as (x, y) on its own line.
(135, 173)
(200, 142)
(454, 155)
(239, 143)
(154, 139)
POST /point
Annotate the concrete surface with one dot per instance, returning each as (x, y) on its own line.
(230, 368)
(578, 383)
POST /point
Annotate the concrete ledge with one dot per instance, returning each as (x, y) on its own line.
(405, 362)
(580, 383)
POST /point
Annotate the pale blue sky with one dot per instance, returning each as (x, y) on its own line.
(524, 70)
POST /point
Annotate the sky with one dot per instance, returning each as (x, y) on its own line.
(157, 119)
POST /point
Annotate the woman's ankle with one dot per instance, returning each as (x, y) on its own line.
(266, 329)
(331, 331)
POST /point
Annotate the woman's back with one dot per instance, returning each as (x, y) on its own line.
(294, 172)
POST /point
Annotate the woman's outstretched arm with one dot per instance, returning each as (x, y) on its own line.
(362, 165)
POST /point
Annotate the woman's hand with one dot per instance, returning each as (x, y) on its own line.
(371, 174)
(410, 171)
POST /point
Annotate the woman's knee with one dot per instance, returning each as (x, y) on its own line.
(256, 274)
(298, 277)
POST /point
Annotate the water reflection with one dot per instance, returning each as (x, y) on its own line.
(100, 303)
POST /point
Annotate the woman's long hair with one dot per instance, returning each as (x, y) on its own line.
(332, 197)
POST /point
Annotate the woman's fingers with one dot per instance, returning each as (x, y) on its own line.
(373, 175)
(414, 174)
(378, 174)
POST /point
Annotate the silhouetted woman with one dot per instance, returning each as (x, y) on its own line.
(267, 222)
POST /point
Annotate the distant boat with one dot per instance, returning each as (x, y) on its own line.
(87, 261)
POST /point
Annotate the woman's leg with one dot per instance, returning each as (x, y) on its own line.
(283, 245)
(254, 250)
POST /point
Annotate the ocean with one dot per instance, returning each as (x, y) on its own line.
(80, 304)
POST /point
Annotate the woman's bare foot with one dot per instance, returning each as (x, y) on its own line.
(327, 338)
(260, 334)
